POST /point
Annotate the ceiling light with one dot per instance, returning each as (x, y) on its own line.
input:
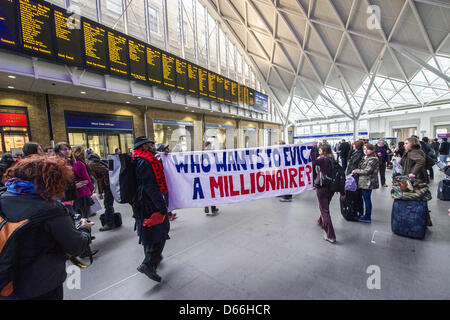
(10, 87)
(83, 92)
(139, 97)
(12, 77)
(127, 101)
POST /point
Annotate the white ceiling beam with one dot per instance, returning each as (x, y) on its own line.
(436, 3)
(368, 89)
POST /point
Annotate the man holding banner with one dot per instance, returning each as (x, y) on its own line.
(205, 178)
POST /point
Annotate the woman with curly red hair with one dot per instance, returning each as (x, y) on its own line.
(34, 187)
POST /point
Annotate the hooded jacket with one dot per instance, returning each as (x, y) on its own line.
(414, 162)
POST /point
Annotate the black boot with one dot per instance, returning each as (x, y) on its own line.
(149, 271)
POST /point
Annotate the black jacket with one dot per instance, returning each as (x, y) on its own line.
(356, 156)
(445, 148)
(41, 254)
(149, 200)
(344, 150)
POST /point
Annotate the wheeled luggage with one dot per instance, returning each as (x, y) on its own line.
(117, 219)
(443, 192)
(409, 218)
(351, 205)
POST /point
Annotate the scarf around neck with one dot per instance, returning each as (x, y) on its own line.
(20, 187)
(156, 165)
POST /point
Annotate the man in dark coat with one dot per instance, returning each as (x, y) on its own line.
(344, 150)
(381, 150)
(150, 206)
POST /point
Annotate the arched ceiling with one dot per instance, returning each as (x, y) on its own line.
(331, 58)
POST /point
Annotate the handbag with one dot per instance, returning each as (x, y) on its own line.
(350, 183)
(96, 206)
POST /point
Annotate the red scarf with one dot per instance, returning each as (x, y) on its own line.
(156, 165)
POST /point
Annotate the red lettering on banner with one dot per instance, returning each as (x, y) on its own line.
(232, 191)
(292, 174)
(226, 186)
(243, 190)
(308, 172)
(270, 179)
(252, 182)
(301, 183)
(285, 173)
(261, 188)
(213, 185)
(279, 180)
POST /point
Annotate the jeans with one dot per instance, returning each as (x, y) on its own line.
(383, 172)
(443, 158)
(153, 253)
(367, 203)
(344, 163)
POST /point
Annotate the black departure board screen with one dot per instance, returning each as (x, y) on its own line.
(118, 53)
(95, 45)
(182, 77)
(192, 78)
(36, 31)
(169, 70)
(138, 60)
(240, 90)
(154, 65)
(234, 93)
(68, 37)
(245, 96)
(212, 85)
(8, 25)
(219, 81)
(203, 82)
(226, 90)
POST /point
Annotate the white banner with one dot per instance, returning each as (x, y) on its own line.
(205, 178)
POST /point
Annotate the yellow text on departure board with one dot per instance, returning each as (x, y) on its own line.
(35, 20)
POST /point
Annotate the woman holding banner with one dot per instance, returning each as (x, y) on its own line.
(322, 164)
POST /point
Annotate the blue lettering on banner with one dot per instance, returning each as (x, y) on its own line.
(198, 191)
(206, 168)
(181, 165)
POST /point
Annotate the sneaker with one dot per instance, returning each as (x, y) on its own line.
(106, 227)
(149, 272)
(206, 209)
(328, 239)
(364, 219)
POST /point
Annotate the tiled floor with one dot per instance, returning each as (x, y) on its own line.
(269, 249)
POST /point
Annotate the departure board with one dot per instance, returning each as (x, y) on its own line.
(8, 26)
(95, 45)
(182, 77)
(219, 81)
(192, 78)
(68, 37)
(251, 97)
(138, 60)
(154, 66)
(202, 82)
(212, 85)
(227, 90)
(169, 70)
(234, 93)
(118, 53)
(240, 90)
(36, 31)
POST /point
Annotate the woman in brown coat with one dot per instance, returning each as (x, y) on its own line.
(368, 179)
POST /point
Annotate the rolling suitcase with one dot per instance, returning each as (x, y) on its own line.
(351, 205)
(443, 192)
(117, 219)
(409, 218)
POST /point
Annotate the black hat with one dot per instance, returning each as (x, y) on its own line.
(139, 141)
(162, 147)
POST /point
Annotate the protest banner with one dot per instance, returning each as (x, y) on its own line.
(204, 178)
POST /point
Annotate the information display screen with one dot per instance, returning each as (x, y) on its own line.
(261, 102)
(68, 37)
(251, 97)
(118, 53)
(8, 26)
(137, 55)
(154, 66)
(182, 77)
(35, 26)
(192, 78)
(203, 82)
(212, 85)
(227, 90)
(240, 95)
(219, 81)
(169, 70)
(245, 96)
(95, 45)
(234, 93)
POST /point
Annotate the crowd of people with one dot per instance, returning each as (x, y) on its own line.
(55, 186)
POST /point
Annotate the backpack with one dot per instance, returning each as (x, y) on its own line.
(335, 179)
(122, 177)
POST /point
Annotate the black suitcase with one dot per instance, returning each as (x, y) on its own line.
(443, 192)
(117, 219)
(351, 205)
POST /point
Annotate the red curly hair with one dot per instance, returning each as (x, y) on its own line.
(51, 175)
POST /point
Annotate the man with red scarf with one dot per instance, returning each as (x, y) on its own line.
(150, 206)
